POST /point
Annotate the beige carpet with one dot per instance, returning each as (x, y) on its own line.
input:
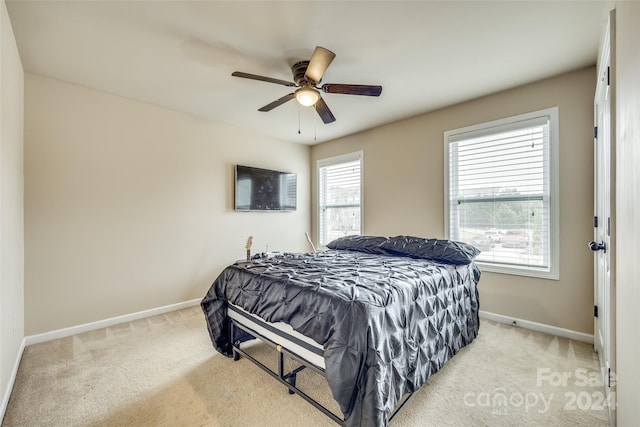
(163, 371)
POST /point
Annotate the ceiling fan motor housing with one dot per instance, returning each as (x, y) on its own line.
(299, 69)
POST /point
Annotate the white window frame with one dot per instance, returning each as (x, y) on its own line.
(552, 272)
(343, 158)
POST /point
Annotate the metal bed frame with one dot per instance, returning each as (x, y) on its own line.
(288, 379)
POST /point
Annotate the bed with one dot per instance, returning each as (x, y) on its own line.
(377, 316)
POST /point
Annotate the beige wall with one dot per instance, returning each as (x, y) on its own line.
(11, 206)
(130, 207)
(627, 79)
(404, 191)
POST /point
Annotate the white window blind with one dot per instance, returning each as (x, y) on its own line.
(339, 197)
(501, 192)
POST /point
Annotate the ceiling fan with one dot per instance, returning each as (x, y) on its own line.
(307, 75)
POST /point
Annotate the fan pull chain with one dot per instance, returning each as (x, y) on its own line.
(299, 120)
(315, 122)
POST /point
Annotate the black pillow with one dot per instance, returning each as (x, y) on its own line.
(446, 251)
(366, 244)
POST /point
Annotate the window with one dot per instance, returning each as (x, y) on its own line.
(501, 192)
(339, 197)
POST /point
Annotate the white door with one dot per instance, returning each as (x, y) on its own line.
(604, 216)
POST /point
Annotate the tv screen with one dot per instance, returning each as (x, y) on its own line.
(265, 190)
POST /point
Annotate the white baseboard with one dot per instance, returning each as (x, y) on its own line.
(540, 327)
(73, 330)
(12, 380)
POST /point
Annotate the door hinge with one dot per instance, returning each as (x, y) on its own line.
(595, 132)
(608, 76)
(609, 377)
(595, 222)
(608, 226)
(595, 311)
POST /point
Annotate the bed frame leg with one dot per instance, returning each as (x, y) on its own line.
(291, 377)
(236, 355)
(291, 380)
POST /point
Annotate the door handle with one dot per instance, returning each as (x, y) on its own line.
(598, 246)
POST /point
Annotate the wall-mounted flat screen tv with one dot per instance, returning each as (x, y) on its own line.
(265, 190)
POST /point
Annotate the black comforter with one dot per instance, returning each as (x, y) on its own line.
(386, 322)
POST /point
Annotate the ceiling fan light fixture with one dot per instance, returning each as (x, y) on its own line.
(307, 96)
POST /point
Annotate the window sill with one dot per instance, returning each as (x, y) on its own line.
(538, 273)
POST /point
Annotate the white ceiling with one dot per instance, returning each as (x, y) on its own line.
(426, 55)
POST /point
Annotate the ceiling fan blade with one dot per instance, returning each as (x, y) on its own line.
(277, 102)
(352, 89)
(261, 78)
(318, 64)
(323, 111)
